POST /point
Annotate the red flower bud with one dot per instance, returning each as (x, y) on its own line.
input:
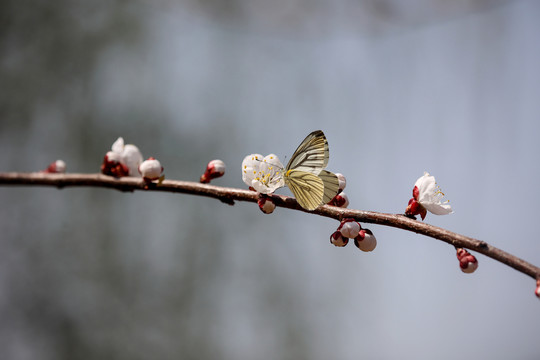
(56, 167)
(467, 261)
(214, 169)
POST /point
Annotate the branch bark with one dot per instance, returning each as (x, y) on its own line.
(230, 195)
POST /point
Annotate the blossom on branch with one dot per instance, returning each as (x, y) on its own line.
(264, 175)
(427, 196)
(122, 160)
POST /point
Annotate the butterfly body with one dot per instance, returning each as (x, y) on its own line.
(305, 175)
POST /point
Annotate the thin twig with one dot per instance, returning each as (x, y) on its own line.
(229, 195)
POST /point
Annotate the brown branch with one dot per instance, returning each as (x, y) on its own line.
(229, 195)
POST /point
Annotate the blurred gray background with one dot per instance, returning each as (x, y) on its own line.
(399, 87)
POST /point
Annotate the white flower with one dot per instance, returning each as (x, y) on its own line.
(128, 154)
(265, 175)
(430, 195)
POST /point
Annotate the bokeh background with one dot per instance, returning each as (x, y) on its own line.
(399, 87)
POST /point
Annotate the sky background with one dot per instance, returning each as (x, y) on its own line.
(399, 88)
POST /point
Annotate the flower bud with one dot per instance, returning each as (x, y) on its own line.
(340, 200)
(338, 240)
(467, 262)
(150, 169)
(365, 240)
(537, 291)
(342, 181)
(214, 169)
(349, 228)
(266, 204)
(56, 167)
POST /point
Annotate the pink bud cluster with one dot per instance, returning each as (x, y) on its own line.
(341, 199)
(467, 262)
(537, 291)
(127, 160)
(214, 169)
(351, 229)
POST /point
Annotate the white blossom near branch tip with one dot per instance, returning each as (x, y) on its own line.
(430, 195)
(265, 175)
(427, 196)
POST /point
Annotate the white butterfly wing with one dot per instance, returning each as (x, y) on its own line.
(308, 188)
(311, 155)
(331, 185)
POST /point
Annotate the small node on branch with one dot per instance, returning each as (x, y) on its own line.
(226, 200)
(483, 244)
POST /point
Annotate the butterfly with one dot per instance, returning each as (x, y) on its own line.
(305, 175)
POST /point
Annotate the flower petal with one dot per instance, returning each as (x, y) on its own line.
(118, 145)
(250, 168)
(132, 157)
(438, 208)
